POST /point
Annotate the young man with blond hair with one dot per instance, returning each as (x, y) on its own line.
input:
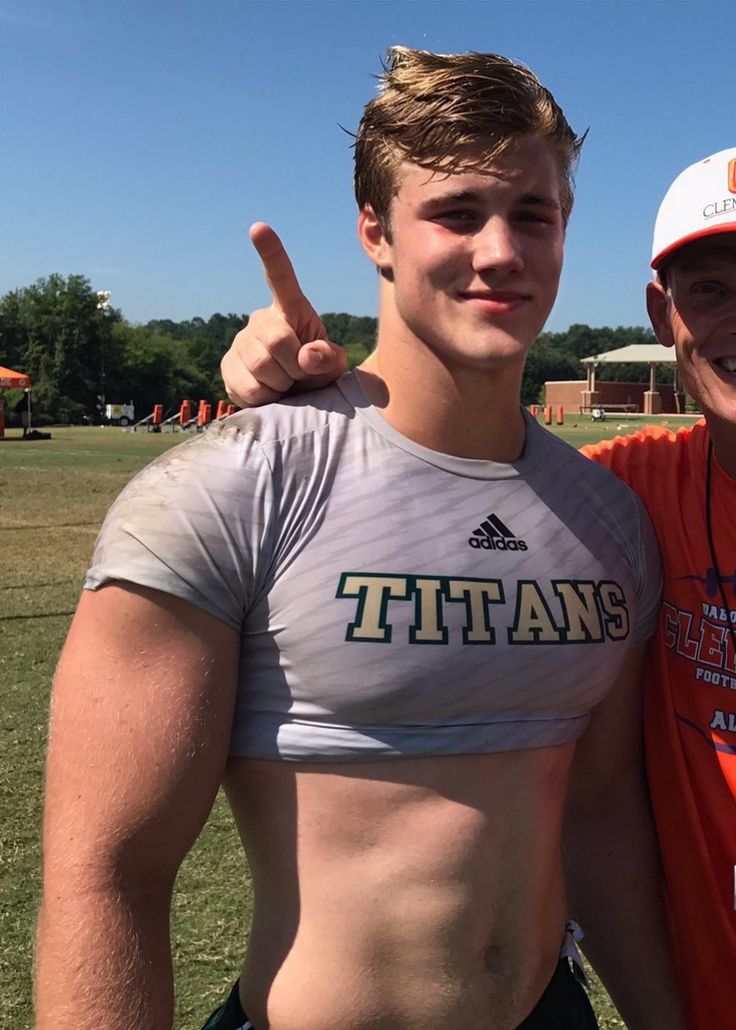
(687, 480)
(398, 716)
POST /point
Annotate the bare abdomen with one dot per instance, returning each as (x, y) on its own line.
(402, 893)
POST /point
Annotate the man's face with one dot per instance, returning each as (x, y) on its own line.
(474, 258)
(696, 313)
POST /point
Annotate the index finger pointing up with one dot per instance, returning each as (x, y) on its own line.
(278, 269)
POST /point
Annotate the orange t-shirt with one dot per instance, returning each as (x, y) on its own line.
(690, 704)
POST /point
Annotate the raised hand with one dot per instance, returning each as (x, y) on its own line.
(284, 344)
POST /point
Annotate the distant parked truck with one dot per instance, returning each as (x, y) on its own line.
(120, 414)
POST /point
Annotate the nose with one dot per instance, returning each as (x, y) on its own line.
(497, 248)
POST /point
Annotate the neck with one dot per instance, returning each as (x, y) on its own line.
(464, 410)
(723, 435)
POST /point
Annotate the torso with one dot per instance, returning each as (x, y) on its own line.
(690, 706)
(423, 638)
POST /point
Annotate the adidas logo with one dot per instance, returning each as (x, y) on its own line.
(493, 535)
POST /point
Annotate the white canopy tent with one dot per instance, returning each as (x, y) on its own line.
(651, 354)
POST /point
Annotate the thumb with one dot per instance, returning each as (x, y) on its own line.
(324, 359)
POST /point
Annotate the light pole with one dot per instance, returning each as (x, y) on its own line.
(103, 306)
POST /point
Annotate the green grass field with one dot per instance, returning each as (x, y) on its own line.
(55, 494)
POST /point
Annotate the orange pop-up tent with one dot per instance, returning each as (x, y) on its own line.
(14, 380)
(10, 380)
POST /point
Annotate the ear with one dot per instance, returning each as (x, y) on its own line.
(658, 308)
(374, 239)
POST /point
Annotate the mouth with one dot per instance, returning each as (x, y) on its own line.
(496, 302)
(727, 364)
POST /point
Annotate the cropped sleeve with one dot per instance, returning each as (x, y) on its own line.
(196, 523)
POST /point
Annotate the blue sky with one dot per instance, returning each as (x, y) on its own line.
(140, 139)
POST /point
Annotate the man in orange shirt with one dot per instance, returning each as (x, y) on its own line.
(687, 481)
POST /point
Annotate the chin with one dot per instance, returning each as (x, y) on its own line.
(496, 360)
(724, 411)
(718, 403)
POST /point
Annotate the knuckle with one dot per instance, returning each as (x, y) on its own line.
(278, 338)
(261, 362)
(267, 373)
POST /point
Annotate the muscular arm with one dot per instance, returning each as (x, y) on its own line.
(612, 861)
(140, 722)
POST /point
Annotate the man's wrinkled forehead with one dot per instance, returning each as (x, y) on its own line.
(705, 253)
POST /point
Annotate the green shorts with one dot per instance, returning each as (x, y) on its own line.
(563, 1006)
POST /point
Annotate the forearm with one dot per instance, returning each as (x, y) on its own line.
(614, 892)
(104, 960)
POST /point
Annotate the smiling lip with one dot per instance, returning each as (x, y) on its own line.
(496, 302)
(717, 362)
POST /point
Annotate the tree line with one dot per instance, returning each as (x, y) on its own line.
(80, 353)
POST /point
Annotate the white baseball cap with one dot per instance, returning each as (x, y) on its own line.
(700, 202)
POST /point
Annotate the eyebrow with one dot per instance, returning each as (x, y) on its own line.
(477, 196)
(540, 200)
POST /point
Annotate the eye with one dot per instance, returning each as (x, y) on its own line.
(534, 217)
(708, 288)
(457, 219)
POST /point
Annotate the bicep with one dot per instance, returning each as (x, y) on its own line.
(140, 724)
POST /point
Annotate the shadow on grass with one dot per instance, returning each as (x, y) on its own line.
(36, 586)
(40, 615)
(53, 525)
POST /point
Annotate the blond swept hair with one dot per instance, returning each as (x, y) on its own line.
(450, 111)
